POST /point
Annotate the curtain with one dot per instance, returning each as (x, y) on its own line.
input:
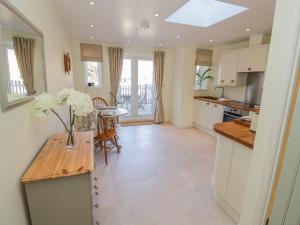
(158, 77)
(203, 57)
(24, 48)
(115, 56)
(91, 52)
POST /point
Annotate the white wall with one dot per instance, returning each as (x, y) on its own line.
(183, 84)
(280, 74)
(79, 79)
(22, 135)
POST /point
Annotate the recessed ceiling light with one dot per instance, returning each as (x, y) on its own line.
(92, 37)
(211, 41)
(178, 36)
(160, 44)
(128, 42)
(92, 25)
(215, 11)
(156, 14)
(247, 29)
(92, 3)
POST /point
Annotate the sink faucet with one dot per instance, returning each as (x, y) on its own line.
(216, 87)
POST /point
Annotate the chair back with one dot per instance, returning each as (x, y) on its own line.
(98, 102)
(87, 123)
(105, 124)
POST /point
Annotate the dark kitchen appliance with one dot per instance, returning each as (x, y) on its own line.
(231, 113)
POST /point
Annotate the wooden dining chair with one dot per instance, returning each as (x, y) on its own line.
(98, 102)
(107, 132)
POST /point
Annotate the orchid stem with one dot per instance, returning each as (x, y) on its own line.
(61, 120)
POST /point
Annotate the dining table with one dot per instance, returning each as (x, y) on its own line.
(111, 112)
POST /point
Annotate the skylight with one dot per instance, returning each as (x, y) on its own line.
(204, 13)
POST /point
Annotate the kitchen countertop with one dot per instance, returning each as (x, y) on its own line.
(236, 131)
(229, 103)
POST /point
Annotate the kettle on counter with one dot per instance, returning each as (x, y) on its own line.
(254, 122)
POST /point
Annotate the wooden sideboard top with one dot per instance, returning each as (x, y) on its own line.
(55, 161)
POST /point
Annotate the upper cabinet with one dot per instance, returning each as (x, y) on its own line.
(253, 59)
(228, 74)
(234, 63)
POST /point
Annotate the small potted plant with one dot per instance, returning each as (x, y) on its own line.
(80, 104)
(202, 76)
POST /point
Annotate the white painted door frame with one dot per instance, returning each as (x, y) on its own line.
(280, 76)
(287, 201)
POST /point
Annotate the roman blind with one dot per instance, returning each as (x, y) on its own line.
(203, 57)
(91, 52)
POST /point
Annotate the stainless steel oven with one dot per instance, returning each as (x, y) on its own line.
(231, 113)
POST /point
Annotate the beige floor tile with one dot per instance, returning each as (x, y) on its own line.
(161, 177)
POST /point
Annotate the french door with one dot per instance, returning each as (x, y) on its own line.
(136, 90)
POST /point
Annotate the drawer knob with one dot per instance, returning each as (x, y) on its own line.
(95, 179)
(232, 81)
(216, 106)
(207, 103)
(96, 206)
(96, 187)
(97, 223)
(222, 81)
(249, 68)
(96, 193)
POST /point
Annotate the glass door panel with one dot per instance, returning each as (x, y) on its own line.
(145, 87)
(125, 88)
(136, 90)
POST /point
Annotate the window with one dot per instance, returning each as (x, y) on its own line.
(14, 78)
(93, 73)
(14, 71)
(201, 77)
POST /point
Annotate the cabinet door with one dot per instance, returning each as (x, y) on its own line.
(228, 69)
(215, 115)
(238, 179)
(196, 118)
(223, 69)
(232, 75)
(204, 113)
(253, 59)
(222, 165)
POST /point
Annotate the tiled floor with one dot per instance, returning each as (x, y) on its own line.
(161, 177)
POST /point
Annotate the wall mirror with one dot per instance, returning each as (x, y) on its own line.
(22, 64)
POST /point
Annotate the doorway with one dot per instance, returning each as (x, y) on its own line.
(136, 90)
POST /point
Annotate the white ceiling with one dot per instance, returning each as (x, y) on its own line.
(117, 21)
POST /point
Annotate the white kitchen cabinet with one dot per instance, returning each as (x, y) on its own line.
(206, 114)
(228, 74)
(253, 59)
(222, 166)
(216, 112)
(238, 178)
(230, 176)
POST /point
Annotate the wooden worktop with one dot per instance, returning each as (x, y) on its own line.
(237, 132)
(226, 103)
(55, 161)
